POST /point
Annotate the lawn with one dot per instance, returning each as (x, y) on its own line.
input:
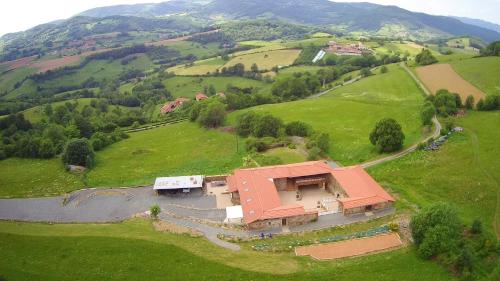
(349, 113)
(134, 251)
(9, 79)
(481, 72)
(287, 155)
(35, 177)
(266, 60)
(189, 86)
(197, 49)
(465, 172)
(178, 149)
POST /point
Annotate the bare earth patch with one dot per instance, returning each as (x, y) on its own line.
(442, 76)
(164, 226)
(351, 248)
(46, 65)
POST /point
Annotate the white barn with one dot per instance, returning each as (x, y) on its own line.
(186, 183)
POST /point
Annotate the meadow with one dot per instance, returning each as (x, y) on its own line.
(189, 86)
(464, 172)
(178, 149)
(349, 113)
(133, 250)
(481, 72)
(201, 67)
(266, 60)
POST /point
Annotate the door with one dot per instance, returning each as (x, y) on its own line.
(283, 222)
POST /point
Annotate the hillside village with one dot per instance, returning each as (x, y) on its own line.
(241, 141)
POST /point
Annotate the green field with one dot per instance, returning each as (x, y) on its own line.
(465, 172)
(287, 155)
(9, 79)
(201, 67)
(134, 251)
(349, 113)
(197, 49)
(189, 86)
(35, 177)
(266, 60)
(483, 73)
(99, 69)
(178, 149)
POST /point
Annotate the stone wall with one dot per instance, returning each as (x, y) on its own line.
(362, 209)
(276, 223)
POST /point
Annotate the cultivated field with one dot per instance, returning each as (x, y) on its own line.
(349, 113)
(135, 251)
(266, 60)
(483, 73)
(51, 64)
(201, 67)
(442, 76)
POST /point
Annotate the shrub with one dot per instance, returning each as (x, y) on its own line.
(477, 227)
(78, 152)
(155, 210)
(268, 125)
(384, 69)
(427, 113)
(253, 144)
(314, 153)
(394, 227)
(213, 115)
(298, 128)
(387, 135)
(469, 102)
(320, 140)
(245, 123)
(365, 72)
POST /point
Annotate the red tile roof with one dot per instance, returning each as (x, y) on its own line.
(169, 107)
(260, 200)
(200, 97)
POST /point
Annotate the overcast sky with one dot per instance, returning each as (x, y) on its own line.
(18, 15)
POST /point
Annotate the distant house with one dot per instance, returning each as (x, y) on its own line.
(171, 106)
(346, 50)
(222, 95)
(200, 97)
(295, 194)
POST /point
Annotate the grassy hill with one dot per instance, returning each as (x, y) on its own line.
(135, 251)
(349, 113)
(481, 72)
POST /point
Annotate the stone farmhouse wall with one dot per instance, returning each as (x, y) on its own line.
(276, 223)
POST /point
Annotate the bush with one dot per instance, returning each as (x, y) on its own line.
(394, 227)
(477, 227)
(427, 113)
(425, 57)
(314, 153)
(78, 152)
(387, 135)
(321, 141)
(268, 125)
(365, 72)
(469, 102)
(435, 229)
(245, 123)
(298, 128)
(213, 115)
(253, 144)
(155, 210)
(384, 69)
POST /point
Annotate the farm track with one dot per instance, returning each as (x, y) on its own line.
(486, 173)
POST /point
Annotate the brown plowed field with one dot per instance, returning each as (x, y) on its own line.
(442, 76)
(351, 248)
(15, 64)
(52, 64)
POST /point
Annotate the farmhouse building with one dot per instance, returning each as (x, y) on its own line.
(171, 106)
(298, 193)
(200, 97)
(346, 50)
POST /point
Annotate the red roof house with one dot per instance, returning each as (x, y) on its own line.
(257, 190)
(200, 97)
(171, 106)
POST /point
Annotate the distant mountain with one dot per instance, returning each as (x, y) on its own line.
(480, 23)
(360, 17)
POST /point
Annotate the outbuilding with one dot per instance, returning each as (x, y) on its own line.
(175, 184)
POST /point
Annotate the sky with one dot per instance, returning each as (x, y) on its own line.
(18, 15)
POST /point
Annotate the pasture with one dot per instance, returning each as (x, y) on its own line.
(189, 86)
(135, 251)
(464, 172)
(266, 60)
(178, 149)
(481, 72)
(442, 76)
(202, 67)
(349, 113)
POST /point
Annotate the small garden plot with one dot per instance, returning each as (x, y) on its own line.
(266, 60)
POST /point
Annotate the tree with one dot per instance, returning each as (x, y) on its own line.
(254, 68)
(211, 90)
(84, 126)
(78, 152)
(435, 229)
(154, 210)
(46, 149)
(469, 102)
(268, 125)
(387, 135)
(425, 57)
(319, 140)
(245, 123)
(298, 128)
(427, 113)
(445, 103)
(213, 115)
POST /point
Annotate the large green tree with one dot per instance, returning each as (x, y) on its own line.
(79, 152)
(425, 57)
(387, 135)
(213, 115)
